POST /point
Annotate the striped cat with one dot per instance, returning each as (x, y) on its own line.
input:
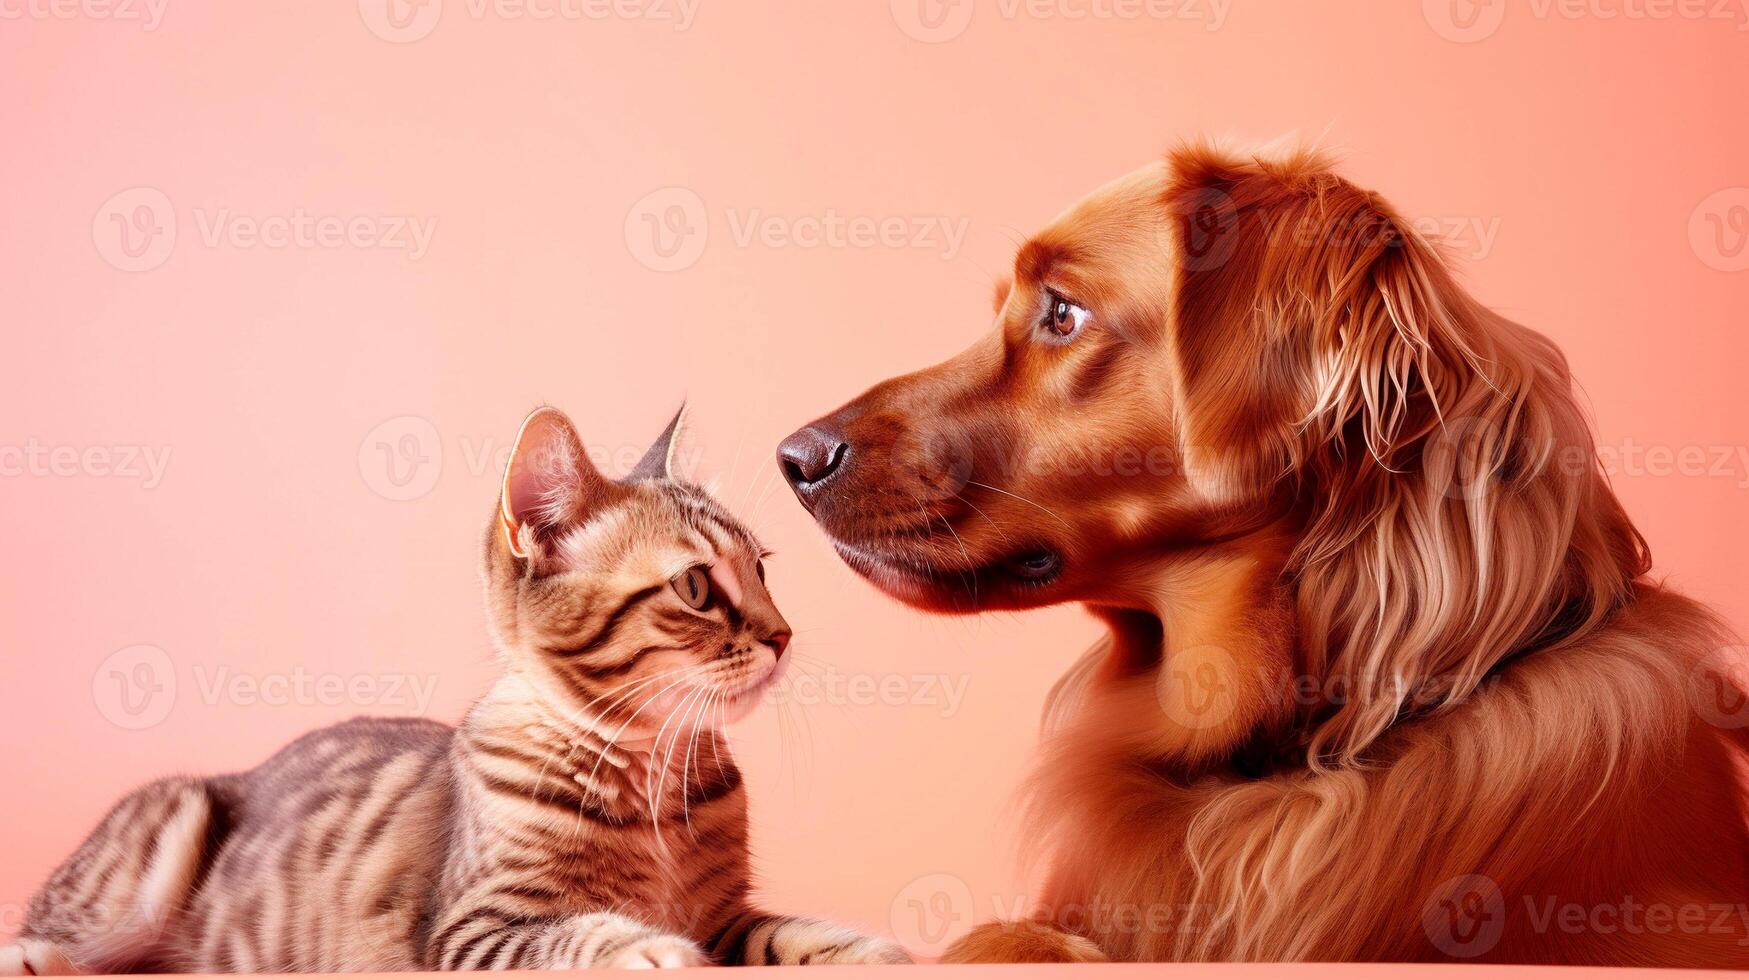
(586, 813)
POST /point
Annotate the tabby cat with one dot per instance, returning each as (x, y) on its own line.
(586, 813)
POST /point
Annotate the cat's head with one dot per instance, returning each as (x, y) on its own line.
(627, 601)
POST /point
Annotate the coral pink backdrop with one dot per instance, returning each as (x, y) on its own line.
(282, 277)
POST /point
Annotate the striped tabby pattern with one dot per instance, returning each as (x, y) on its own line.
(586, 813)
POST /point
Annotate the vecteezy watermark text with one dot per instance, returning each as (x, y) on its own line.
(1469, 21)
(136, 230)
(938, 21)
(403, 458)
(830, 686)
(147, 13)
(138, 686)
(122, 462)
(667, 230)
(406, 21)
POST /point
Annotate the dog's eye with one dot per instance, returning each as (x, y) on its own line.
(693, 586)
(1063, 318)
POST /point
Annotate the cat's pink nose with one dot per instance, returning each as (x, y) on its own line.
(778, 642)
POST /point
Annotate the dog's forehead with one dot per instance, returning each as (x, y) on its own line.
(1116, 241)
(1128, 209)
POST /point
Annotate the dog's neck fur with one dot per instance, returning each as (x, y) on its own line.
(1208, 632)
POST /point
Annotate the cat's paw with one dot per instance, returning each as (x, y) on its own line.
(867, 950)
(35, 958)
(657, 951)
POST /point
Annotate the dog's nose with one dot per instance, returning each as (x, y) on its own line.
(810, 456)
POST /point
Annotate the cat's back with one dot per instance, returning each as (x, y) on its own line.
(330, 852)
(344, 753)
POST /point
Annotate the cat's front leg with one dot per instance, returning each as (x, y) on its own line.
(605, 940)
(596, 940)
(35, 958)
(764, 939)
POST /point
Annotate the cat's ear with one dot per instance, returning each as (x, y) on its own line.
(549, 484)
(658, 461)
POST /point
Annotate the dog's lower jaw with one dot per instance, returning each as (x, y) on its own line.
(955, 587)
(912, 586)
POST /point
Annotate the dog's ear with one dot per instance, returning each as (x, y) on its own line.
(1453, 512)
(999, 298)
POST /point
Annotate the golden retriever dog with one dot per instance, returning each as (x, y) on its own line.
(1384, 675)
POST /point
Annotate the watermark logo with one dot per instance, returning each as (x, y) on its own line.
(1465, 917)
(1198, 686)
(402, 458)
(1718, 229)
(667, 229)
(135, 687)
(932, 21)
(1718, 687)
(401, 21)
(1207, 223)
(931, 912)
(135, 230)
(1464, 21)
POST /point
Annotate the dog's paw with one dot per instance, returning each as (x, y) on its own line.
(1022, 942)
(35, 958)
(654, 952)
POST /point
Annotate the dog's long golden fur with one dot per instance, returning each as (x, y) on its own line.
(1385, 675)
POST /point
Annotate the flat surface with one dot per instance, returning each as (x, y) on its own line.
(1179, 971)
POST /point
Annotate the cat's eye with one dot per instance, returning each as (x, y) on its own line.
(1062, 317)
(693, 586)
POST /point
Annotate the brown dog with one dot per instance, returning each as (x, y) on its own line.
(1385, 677)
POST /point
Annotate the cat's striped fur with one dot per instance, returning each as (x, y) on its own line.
(585, 813)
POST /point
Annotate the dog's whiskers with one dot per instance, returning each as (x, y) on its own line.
(1024, 500)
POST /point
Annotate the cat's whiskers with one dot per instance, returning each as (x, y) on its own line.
(619, 758)
(647, 702)
(607, 749)
(659, 777)
(654, 775)
(686, 761)
(769, 484)
(716, 752)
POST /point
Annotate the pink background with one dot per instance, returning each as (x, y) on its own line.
(1591, 167)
